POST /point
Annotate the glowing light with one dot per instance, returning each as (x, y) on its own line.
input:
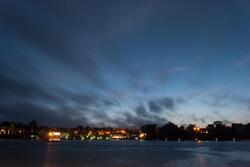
(54, 136)
(118, 136)
(123, 131)
(142, 135)
(199, 141)
(196, 129)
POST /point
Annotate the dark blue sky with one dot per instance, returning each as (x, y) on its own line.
(124, 63)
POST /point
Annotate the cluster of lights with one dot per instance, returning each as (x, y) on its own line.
(118, 134)
(100, 136)
(123, 131)
(117, 137)
(103, 132)
(142, 135)
(2, 131)
(90, 132)
(54, 133)
(196, 129)
(54, 136)
(67, 136)
(97, 138)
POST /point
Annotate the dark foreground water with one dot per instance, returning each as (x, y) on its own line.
(124, 154)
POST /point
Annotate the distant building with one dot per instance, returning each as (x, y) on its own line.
(54, 136)
(119, 134)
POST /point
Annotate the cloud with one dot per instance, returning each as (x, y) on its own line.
(24, 99)
(27, 99)
(148, 117)
(243, 61)
(227, 122)
(140, 116)
(196, 119)
(108, 102)
(223, 100)
(167, 103)
(154, 106)
(159, 104)
(219, 88)
(141, 111)
(26, 111)
(205, 58)
(181, 100)
(74, 37)
(78, 64)
(14, 88)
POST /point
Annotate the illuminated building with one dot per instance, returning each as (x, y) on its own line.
(142, 136)
(196, 129)
(117, 136)
(54, 136)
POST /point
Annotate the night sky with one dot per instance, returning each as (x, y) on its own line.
(124, 63)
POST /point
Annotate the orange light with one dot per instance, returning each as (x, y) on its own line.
(123, 131)
(54, 136)
(141, 135)
(117, 136)
(196, 129)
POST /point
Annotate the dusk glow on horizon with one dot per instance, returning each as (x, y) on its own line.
(125, 63)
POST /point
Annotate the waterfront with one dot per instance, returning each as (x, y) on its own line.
(124, 154)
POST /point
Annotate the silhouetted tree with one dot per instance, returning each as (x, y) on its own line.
(150, 130)
(169, 131)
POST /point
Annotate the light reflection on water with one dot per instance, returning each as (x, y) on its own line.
(124, 154)
(47, 155)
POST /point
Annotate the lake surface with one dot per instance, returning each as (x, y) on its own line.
(124, 154)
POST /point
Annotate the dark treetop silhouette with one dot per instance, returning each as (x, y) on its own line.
(213, 132)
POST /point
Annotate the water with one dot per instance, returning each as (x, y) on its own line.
(124, 154)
